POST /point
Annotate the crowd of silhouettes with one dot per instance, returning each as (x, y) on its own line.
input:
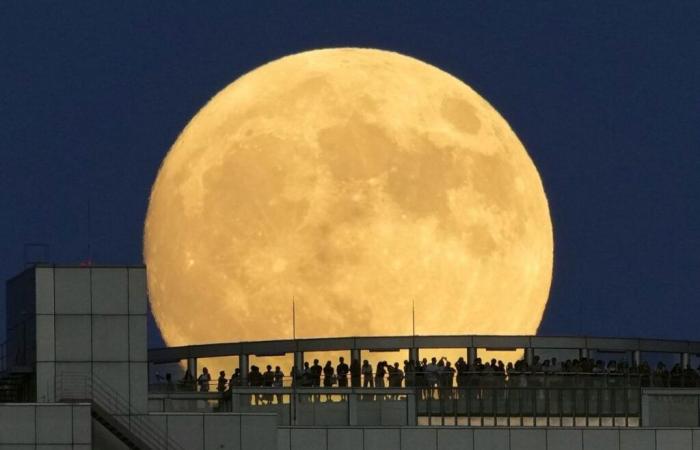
(440, 373)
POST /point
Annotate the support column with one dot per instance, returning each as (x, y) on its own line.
(471, 355)
(685, 360)
(298, 363)
(413, 354)
(355, 364)
(192, 367)
(636, 358)
(243, 367)
(583, 353)
(529, 357)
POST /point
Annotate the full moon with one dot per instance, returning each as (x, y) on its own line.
(355, 183)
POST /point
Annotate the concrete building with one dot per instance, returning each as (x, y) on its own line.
(74, 373)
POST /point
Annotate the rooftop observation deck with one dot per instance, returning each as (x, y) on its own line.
(631, 394)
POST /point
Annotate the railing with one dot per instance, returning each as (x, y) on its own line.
(464, 379)
(530, 406)
(80, 386)
(603, 405)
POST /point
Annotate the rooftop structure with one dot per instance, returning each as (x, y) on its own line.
(74, 373)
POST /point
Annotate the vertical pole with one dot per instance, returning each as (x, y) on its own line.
(294, 319)
(685, 360)
(636, 358)
(243, 366)
(356, 354)
(471, 355)
(413, 354)
(298, 362)
(192, 366)
(582, 353)
(529, 356)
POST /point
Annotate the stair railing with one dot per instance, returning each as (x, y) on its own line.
(81, 386)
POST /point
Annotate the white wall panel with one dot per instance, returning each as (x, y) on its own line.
(382, 439)
(601, 439)
(419, 438)
(110, 338)
(73, 338)
(138, 387)
(222, 431)
(564, 439)
(72, 290)
(528, 439)
(45, 381)
(187, 430)
(258, 432)
(674, 440)
(138, 339)
(491, 439)
(308, 438)
(54, 424)
(44, 290)
(455, 439)
(110, 291)
(45, 338)
(82, 428)
(137, 291)
(344, 438)
(114, 378)
(17, 424)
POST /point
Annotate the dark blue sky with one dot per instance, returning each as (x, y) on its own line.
(604, 95)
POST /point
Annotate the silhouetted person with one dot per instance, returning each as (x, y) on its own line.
(396, 376)
(268, 381)
(235, 379)
(204, 380)
(188, 381)
(328, 372)
(368, 380)
(306, 376)
(316, 371)
(221, 382)
(342, 371)
(355, 373)
(379, 374)
(278, 383)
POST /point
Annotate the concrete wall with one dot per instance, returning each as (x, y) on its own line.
(423, 438)
(45, 426)
(671, 407)
(92, 321)
(225, 431)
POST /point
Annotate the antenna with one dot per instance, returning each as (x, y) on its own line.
(294, 319)
(413, 307)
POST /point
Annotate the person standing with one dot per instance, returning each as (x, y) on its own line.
(368, 381)
(278, 382)
(221, 382)
(204, 380)
(355, 373)
(342, 371)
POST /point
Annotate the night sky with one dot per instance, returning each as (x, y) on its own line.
(605, 97)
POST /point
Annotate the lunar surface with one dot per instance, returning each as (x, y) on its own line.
(356, 182)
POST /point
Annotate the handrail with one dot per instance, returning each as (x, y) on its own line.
(80, 386)
(389, 343)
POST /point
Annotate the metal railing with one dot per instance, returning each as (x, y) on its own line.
(464, 379)
(72, 386)
(523, 406)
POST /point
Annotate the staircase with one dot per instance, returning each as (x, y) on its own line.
(119, 430)
(131, 428)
